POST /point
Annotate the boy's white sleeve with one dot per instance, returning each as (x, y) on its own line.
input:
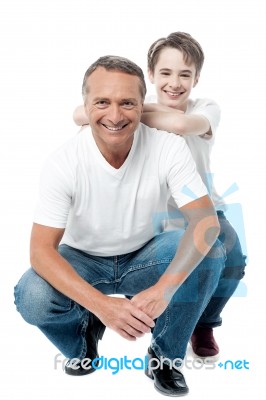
(210, 110)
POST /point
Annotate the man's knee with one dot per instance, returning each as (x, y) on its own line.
(33, 297)
(211, 267)
(216, 256)
(234, 273)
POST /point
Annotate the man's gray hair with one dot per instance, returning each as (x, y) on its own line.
(116, 63)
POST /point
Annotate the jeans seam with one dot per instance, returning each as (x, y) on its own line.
(101, 281)
(142, 266)
(17, 296)
(166, 324)
(159, 336)
(84, 349)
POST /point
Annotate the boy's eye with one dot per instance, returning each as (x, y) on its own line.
(165, 73)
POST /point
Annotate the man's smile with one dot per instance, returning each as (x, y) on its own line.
(114, 128)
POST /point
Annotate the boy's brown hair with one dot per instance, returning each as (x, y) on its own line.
(184, 42)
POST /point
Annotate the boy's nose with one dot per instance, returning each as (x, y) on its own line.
(175, 82)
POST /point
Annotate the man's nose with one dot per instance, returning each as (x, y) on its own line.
(114, 114)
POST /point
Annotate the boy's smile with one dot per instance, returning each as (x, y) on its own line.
(173, 95)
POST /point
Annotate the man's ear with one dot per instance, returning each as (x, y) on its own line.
(151, 76)
(196, 80)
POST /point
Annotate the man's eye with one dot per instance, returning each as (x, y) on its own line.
(128, 104)
(165, 73)
(101, 104)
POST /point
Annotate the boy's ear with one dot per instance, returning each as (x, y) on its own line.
(150, 75)
(196, 80)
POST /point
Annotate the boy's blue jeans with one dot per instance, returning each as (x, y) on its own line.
(64, 322)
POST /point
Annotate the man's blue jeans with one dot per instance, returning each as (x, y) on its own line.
(233, 272)
(64, 322)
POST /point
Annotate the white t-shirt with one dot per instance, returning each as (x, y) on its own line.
(201, 146)
(107, 211)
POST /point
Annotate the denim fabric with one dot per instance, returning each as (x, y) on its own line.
(233, 272)
(64, 322)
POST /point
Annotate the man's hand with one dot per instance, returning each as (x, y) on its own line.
(152, 301)
(125, 318)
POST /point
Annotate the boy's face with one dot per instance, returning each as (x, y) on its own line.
(173, 79)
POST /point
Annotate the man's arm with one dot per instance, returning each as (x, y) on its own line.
(118, 314)
(175, 121)
(202, 231)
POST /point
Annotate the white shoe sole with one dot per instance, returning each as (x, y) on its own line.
(205, 360)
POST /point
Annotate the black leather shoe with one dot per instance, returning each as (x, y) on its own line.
(168, 381)
(94, 333)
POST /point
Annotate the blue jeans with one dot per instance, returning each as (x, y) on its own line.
(233, 272)
(64, 322)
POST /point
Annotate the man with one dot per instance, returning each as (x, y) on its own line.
(103, 196)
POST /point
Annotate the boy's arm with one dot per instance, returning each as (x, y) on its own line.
(176, 121)
(79, 116)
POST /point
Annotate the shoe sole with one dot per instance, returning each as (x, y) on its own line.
(205, 360)
(150, 376)
(79, 372)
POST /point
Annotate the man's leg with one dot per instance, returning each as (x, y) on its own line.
(64, 322)
(175, 326)
(203, 342)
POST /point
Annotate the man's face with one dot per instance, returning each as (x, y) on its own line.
(114, 106)
(173, 79)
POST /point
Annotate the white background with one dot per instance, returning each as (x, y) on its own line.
(46, 46)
